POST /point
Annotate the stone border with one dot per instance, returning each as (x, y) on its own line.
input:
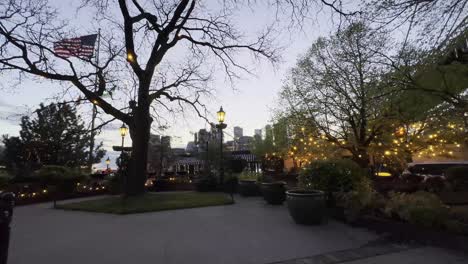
(363, 252)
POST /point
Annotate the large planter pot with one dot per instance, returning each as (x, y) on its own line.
(274, 192)
(306, 207)
(248, 188)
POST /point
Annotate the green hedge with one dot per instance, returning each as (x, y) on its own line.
(63, 178)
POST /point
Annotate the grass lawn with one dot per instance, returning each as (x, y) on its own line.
(149, 202)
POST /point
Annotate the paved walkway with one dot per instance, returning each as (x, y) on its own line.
(248, 232)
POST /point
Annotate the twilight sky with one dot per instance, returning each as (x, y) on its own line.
(247, 105)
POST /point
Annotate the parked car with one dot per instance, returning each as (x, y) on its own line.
(422, 171)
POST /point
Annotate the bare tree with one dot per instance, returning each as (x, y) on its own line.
(139, 36)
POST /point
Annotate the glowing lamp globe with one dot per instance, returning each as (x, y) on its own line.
(123, 130)
(221, 115)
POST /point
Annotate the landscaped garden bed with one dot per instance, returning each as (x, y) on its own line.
(420, 217)
(407, 232)
(172, 184)
(42, 198)
(149, 202)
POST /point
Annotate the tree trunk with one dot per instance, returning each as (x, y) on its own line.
(140, 133)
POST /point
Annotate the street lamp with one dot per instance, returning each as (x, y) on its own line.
(123, 133)
(107, 163)
(221, 114)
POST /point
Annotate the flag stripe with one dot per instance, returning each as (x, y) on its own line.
(76, 47)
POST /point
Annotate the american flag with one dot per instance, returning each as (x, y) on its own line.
(76, 47)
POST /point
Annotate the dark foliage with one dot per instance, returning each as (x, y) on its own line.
(331, 176)
(207, 183)
(237, 166)
(62, 178)
(458, 178)
(56, 135)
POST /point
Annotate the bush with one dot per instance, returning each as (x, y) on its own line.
(114, 184)
(63, 178)
(207, 183)
(237, 165)
(251, 176)
(457, 178)
(331, 176)
(362, 199)
(230, 183)
(420, 208)
(459, 213)
(5, 178)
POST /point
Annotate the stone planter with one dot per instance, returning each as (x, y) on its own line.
(274, 192)
(248, 188)
(306, 207)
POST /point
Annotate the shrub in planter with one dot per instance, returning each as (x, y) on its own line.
(457, 178)
(248, 183)
(306, 206)
(206, 183)
(420, 208)
(331, 177)
(273, 192)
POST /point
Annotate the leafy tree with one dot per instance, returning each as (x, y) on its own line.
(434, 23)
(336, 88)
(266, 146)
(56, 135)
(14, 154)
(2, 155)
(441, 82)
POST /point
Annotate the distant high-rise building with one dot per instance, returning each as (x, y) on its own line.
(244, 143)
(159, 151)
(258, 133)
(191, 147)
(203, 136)
(238, 132)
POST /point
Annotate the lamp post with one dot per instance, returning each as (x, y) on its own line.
(107, 163)
(220, 126)
(123, 133)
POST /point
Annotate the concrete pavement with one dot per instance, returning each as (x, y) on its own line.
(247, 232)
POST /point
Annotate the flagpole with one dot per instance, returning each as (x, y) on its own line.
(94, 113)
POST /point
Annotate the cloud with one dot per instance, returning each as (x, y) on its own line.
(112, 127)
(12, 114)
(5, 104)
